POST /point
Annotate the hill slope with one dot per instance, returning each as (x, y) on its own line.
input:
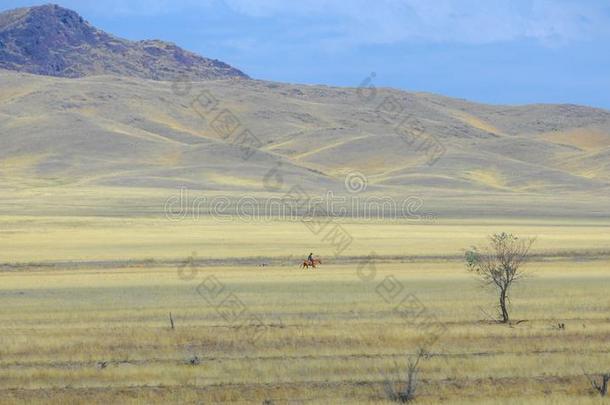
(50, 40)
(127, 132)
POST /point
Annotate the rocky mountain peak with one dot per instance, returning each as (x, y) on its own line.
(54, 41)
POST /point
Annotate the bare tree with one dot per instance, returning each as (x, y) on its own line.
(404, 390)
(499, 265)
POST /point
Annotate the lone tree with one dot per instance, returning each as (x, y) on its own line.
(499, 265)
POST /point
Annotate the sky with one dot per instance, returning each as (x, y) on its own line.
(492, 51)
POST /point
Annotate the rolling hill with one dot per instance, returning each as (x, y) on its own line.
(114, 135)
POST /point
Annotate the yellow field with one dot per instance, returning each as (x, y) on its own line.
(100, 333)
(33, 239)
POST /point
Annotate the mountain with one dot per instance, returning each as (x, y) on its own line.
(50, 40)
(112, 141)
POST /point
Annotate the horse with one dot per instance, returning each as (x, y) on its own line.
(307, 264)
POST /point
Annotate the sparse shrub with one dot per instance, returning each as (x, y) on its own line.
(602, 386)
(194, 361)
(403, 390)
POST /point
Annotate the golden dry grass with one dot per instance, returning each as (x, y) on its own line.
(55, 238)
(328, 336)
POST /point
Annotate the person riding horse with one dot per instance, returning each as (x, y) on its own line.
(311, 262)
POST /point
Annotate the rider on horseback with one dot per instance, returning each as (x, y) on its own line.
(310, 259)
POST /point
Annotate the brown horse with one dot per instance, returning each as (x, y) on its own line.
(307, 264)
